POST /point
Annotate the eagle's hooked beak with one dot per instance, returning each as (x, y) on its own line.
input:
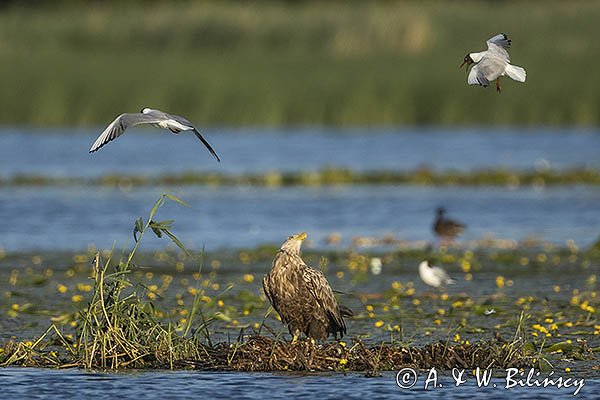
(302, 236)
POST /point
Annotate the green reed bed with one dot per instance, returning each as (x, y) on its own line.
(282, 63)
(332, 176)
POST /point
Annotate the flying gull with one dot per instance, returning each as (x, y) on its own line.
(156, 118)
(493, 63)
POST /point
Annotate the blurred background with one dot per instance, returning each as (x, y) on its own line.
(344, 119)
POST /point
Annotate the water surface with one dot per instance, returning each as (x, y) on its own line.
(64, 152)
(41, 384)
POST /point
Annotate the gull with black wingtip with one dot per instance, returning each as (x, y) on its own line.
(156, 118)
(493, 63)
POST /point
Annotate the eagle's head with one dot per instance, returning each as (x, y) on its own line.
(294, 242)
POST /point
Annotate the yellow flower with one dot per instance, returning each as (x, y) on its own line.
(444, 296)
(220, 303)
(82, 287)
(556, 288)
(466, 266)
(369, 308)
(61, 288)
(457, 337)
(416, 302)
(343, 344)
(379, 324)
(343, 362)
(567, 369)
(248, 278)
(500, 281)
(77, 298)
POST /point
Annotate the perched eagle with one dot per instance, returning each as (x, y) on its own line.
(302, 296)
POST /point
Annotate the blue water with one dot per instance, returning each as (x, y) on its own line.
(41, 384)
(71, 217)
(150, 151)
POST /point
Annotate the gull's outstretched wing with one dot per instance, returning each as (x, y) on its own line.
(498, 45)
(476, 77)
(119, 125)
(488, 69)
(208, 146)
(177, 123)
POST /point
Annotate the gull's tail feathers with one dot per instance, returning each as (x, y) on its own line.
(516, 73)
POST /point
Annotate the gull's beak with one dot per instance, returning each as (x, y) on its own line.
(463, 63)
(301, 236)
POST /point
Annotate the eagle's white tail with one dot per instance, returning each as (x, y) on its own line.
(516, 73)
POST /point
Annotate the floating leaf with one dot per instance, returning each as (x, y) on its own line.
(564, 346)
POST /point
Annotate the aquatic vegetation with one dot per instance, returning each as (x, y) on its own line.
(334, 176)
(184, 309)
